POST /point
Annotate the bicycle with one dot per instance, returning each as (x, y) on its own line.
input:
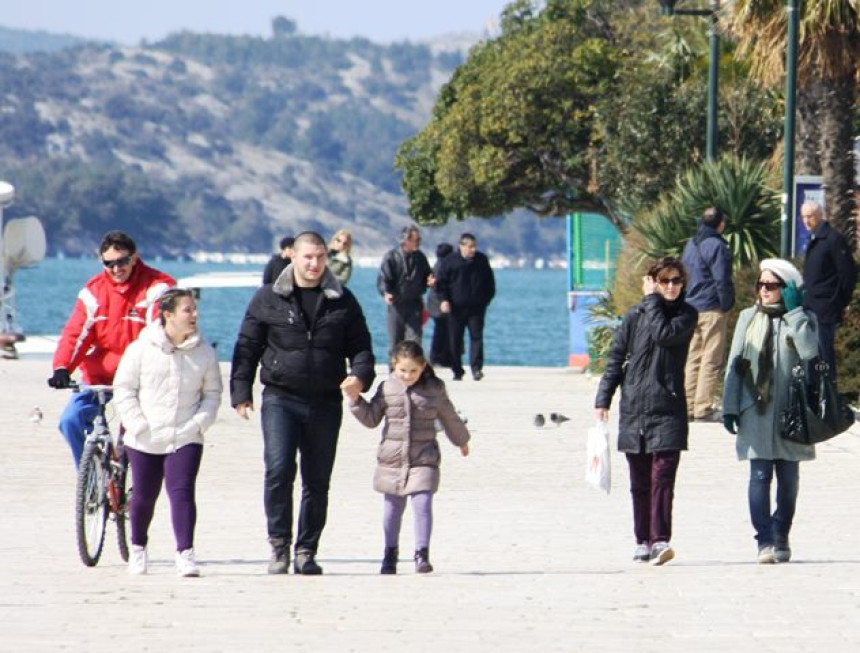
(103, 487)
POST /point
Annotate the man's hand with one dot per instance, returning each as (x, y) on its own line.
(244, 409)
(61, 379)
(389, 298)
(465, 449)
(445, 307)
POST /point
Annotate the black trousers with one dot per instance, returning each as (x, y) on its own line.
(404, 323)
(460, 319)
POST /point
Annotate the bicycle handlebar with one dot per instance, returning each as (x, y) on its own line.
(80, 386)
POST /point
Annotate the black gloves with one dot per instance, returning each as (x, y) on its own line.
(61, 379)
(731, 423)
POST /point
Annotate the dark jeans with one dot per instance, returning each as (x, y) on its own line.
(827, 345)
(310, 428)
(652, 487)
(404, 323)
(178, 471)
(773, 528)
(459, 319)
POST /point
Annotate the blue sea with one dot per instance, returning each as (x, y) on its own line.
(527, 324)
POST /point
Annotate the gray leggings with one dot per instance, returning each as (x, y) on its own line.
(422, 510)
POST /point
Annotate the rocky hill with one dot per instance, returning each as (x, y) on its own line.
(228, 142)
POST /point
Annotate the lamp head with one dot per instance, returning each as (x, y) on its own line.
(7, 193)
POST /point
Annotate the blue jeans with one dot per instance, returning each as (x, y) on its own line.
(308, 427)
(77, 420)
(773, 528)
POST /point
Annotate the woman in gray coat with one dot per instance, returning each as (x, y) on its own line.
(771, 337)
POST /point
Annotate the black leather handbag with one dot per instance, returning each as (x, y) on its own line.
(816, 411)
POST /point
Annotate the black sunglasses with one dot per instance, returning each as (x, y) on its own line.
(117, 263)
(674, 281)
(770, 286)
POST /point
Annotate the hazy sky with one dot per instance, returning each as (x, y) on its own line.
(129, 21)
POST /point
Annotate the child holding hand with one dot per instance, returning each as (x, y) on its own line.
(410, 401)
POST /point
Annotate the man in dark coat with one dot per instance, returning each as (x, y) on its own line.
(402, 282)
(707, 260)
(279, 262)
(466, 286)
(301, 330)
(829, 275)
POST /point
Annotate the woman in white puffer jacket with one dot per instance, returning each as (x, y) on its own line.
(167, 390)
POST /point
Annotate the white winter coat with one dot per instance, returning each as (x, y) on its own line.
(167, 396)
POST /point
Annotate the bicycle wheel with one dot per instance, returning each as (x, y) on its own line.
(91, 505)
(122, 481)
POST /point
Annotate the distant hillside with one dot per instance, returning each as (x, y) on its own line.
(21, 41)
(227, 142)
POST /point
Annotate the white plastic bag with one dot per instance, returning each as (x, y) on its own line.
(597, 470)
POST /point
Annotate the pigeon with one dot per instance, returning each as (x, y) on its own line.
(539, 420)
(36, 415)
(558, 419)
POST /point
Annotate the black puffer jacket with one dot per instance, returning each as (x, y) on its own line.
(655, 335)
(293, 358)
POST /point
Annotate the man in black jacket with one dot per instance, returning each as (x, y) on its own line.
(301, 330)
(402, 282)
(279, 262)
(829, 275)
(466, 286)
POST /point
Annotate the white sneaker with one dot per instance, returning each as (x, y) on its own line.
(137, 560)
(186, 565)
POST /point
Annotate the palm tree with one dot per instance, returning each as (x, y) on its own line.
(828, 67)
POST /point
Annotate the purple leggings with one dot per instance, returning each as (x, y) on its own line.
(178, 471)
(422, 511)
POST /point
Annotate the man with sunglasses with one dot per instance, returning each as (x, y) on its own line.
(711, 291)
(111, 310)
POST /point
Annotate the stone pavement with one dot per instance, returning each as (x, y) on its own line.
(527, 557)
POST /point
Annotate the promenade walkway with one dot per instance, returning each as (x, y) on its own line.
(527, 557)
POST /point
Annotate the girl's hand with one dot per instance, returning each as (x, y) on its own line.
(602, 414)
(351, 387)
(464, 450)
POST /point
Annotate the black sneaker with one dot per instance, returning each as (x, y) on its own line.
(477, 375)
(305, 564)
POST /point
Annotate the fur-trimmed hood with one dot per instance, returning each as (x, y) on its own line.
(285, 283)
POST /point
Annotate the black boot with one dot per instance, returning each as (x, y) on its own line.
(389, 560)
(306, 564)
(280, 561)
(422, 561)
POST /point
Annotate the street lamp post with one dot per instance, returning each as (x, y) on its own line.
(667, 8)
(787, 218)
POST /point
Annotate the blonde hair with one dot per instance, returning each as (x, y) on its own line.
(347, 244)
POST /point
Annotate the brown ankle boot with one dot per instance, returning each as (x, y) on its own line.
(422, 561)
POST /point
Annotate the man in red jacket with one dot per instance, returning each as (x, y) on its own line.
(110, 312)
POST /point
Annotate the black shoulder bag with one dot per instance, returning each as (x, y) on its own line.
(816, 411)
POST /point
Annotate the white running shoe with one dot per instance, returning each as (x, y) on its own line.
(186, 565)
(137, 560)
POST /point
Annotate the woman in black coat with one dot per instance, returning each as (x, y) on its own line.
(647, 360)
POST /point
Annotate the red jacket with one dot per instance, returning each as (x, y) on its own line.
(106, 318)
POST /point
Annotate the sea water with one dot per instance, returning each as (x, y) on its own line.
(527, 323)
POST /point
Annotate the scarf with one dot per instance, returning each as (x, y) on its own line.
(758, 349)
